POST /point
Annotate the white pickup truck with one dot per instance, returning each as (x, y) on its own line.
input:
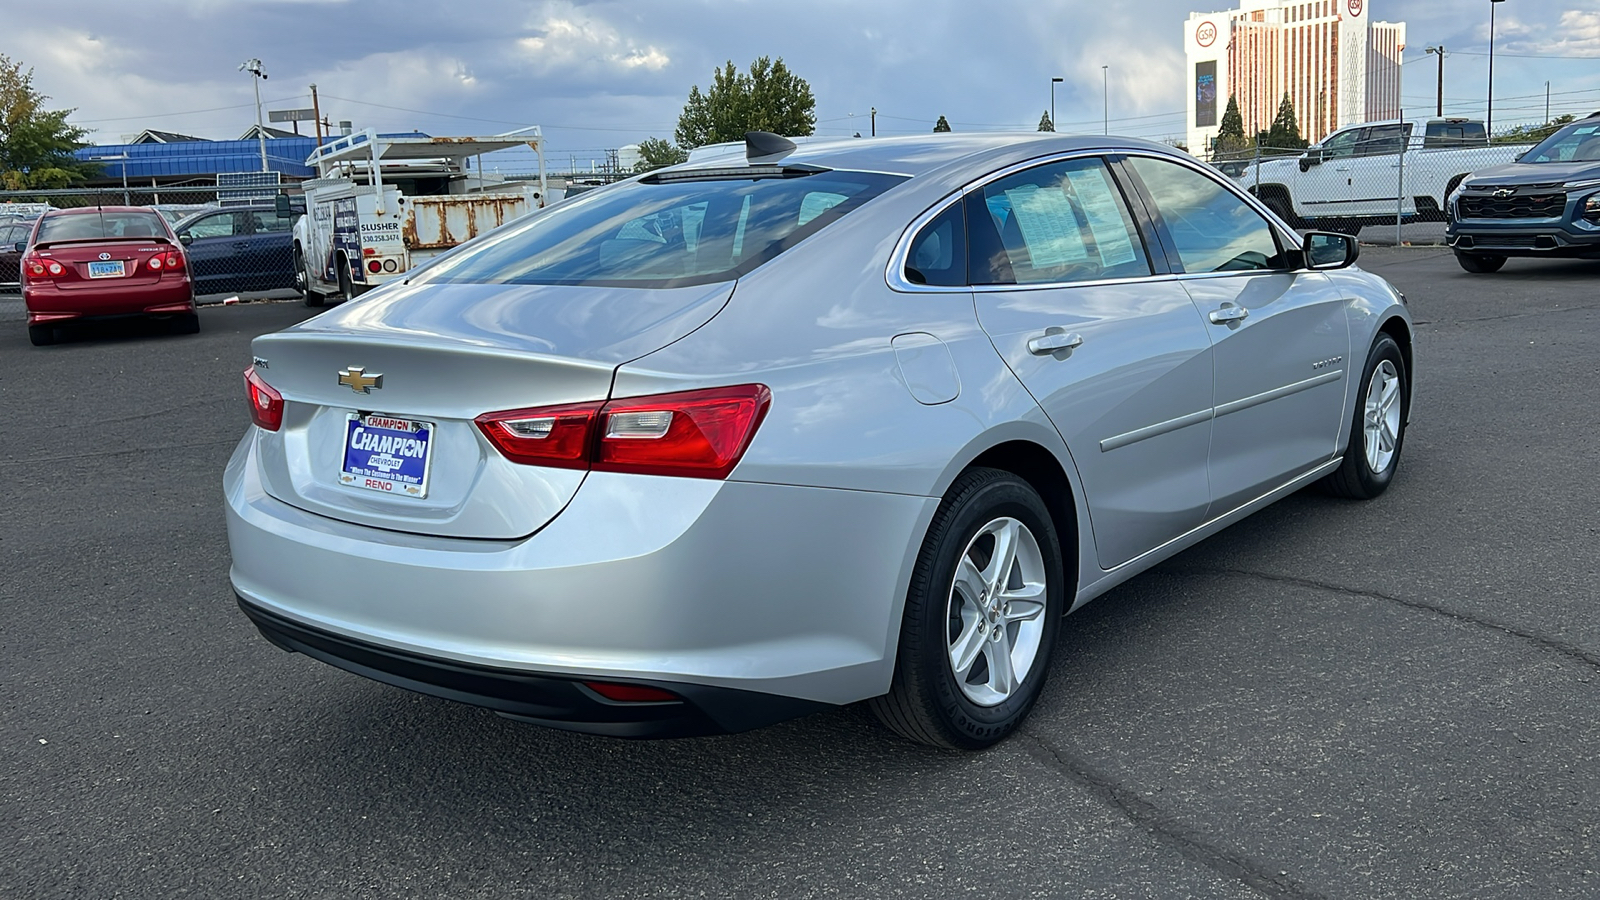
(1358, 175)
(381, 205)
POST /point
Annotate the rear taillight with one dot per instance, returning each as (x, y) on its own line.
(374, 266)
(631, 693)
(39, 268)
(170, 261)
(694, 434)
(545, 436)
(266, 404)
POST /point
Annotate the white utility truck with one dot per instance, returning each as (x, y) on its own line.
(1358, 176)
(382, 204)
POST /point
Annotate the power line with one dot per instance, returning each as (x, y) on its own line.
(424, 112)
(190, 112)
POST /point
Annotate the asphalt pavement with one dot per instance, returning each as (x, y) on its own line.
(1332, 699)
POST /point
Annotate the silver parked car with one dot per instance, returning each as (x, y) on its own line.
(749, 437)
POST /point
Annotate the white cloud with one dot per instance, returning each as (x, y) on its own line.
(566, 38)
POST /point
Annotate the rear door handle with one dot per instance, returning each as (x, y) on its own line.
(1054, 341)
(1229, 314)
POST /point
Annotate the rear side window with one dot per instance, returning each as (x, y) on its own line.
(662, 235)
(938, 253)
(91, 226)
(1056, 223)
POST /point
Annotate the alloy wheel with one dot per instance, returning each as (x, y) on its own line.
(995, 612)
(1381, 421)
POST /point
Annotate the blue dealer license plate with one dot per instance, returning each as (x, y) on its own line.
(386, 454)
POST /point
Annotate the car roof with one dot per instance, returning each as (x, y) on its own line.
(96, 210)
(914, 155)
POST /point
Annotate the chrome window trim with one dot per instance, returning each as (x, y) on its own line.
(894, 274)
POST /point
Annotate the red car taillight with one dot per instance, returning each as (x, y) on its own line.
(170, 261)
(38, 268)
(266, 404)
(693, 434)
(374, 266)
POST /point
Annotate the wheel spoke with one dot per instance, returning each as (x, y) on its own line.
(998, 571)
(964, 652)
(1002, 678)
(970, 579)
(1386, 438)
(1025, 610)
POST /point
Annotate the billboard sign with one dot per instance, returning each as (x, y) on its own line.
(1205, 93)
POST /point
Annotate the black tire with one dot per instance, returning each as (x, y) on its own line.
(1480, 263)
(925, 702)
(1357, 478)
(346, 290)
(185, 323)
(302, 277)
(1280, 208)
(42, 335)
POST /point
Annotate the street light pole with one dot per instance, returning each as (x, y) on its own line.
(258, 74)
(1105, 99)
(1053, 83)
(1488, 121)
(1439, 103)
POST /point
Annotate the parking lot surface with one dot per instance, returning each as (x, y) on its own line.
(1331, 699)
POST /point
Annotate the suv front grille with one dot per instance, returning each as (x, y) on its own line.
(1518, 206)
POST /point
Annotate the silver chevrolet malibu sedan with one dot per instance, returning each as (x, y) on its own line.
(796, 427)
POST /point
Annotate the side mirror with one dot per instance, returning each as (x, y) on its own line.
(20, 246)
(186, 239)
(1326, 250)
(281, 202)
(1312, 157)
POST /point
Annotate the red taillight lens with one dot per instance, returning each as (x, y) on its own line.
(544, 436)
(266, 404)
(37, 268)
(630, 693)
(170, 261)
(700, 434)
(692, 434)
(374, 267)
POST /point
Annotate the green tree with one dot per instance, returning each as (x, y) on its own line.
(1284, 135)
(1231, 142)
(657, 152)
(36, 144)
(1044, 122)
(941, 126)
(1533, 134)
(767, 98)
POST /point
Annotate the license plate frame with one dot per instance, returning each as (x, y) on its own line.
(384, 459)
(104, 269)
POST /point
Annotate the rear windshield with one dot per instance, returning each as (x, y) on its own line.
(90, 226)
(1579, 142)
(662, 235)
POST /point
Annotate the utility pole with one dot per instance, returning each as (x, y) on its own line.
(1547, 103)
(316, 114)
(874, 121)
(1105, 100)
(258, 74)
(1439, 104)
(1053, 83)
(1488, 121)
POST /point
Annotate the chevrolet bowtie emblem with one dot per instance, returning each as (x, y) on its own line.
(357, 379)
(1503, 193)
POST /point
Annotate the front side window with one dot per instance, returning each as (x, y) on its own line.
(669, 233)
(1059, 222)
(268, 220)
(1212, 229)
(1382, 140)
(1343, 144)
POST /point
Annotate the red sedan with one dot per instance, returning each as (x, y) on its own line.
(105, 261)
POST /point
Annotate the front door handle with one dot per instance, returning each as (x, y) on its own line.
(1054, 341)
(1229, 314)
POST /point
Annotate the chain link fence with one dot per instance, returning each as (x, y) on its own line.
(1381, 192)
(233, 248)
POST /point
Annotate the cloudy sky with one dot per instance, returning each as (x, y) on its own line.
(603, 74)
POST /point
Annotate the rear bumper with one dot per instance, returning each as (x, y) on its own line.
(556, 702)
(49, 304)
(774, 590)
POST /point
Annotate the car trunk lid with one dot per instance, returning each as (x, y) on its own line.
(432, 358)
(105, 263)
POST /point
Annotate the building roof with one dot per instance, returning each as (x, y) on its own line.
(152, 136)
(272, 133)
